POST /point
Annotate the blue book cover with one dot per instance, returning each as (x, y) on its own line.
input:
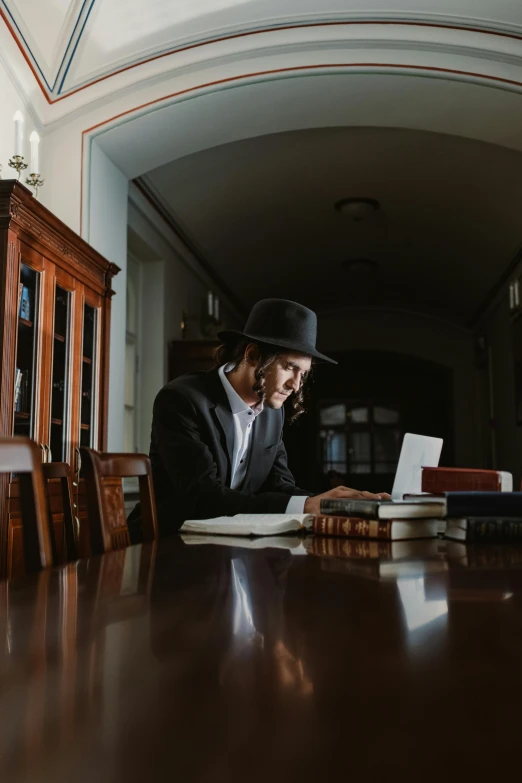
(25, 304)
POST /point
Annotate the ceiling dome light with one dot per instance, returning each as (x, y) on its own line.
(357, 209)
(360, 267)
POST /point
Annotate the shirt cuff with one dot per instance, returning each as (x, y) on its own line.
(296, 504)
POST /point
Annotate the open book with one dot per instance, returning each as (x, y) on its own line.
(250, 524)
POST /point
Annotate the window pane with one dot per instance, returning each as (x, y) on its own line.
(364, 467)
(385, 416)
(89, 359)
(385, 467)
(333, 414)
(60, 391)
(27, 350)
(360, 447)
(336, 448)
(387, 444)
(359, 415)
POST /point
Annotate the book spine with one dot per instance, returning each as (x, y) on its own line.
(437, 480)
(351, 527)
(497, 529)
(344, 507)
(480, 505)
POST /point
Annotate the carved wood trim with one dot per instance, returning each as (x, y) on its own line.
(25, 214)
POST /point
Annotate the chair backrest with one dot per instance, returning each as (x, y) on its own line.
(62, 502)
(22, 456)
(105, 502)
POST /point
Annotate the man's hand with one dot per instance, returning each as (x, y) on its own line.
(312, 505)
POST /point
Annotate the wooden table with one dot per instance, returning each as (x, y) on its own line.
(195, 662)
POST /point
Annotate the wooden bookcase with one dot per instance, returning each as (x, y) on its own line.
(55, 298)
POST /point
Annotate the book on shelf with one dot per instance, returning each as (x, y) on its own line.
(18, 383)
(249, 524)
(438, 480)
(390, 529)
(484, 529)
(384, 509)
(25, 303)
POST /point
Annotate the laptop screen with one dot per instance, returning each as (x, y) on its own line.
(417, 451)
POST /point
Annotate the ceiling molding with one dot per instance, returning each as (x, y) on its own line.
(351, 30)
(187, 244)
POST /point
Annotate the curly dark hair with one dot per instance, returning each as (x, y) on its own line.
(234, 353)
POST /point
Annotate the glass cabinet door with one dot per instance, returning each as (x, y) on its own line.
(60, 375)
(88, 434)
(27, 353)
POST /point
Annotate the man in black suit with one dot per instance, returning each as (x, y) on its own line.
(216, 443)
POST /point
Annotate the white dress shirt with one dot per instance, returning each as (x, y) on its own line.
(244, 417)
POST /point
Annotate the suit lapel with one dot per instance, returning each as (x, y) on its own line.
(223, 415)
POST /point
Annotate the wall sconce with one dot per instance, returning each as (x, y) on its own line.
(208, 319)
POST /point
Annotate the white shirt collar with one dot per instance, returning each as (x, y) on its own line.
(237, 404)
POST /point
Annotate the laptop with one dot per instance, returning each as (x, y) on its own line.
(417, 452)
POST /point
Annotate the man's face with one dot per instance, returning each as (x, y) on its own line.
(285, 376)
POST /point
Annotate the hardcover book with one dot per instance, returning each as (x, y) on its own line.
(437, 480)
(484, 529)
(384, 509)
(389, 529)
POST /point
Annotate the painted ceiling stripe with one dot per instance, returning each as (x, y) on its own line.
(12, 25)
(276, 28)
(72, 44)
(53, 95)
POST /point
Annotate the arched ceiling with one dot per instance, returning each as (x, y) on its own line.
(262, 93)
(74, 44)
(261, 211)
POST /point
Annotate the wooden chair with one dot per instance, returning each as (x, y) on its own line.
(67, 549)
(22, 456)
(105, 501)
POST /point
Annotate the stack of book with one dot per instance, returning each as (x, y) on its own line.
(492, 513)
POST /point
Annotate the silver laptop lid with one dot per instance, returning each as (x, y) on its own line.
(417, 451)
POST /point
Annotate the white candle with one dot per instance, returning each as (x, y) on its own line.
(19, 133)
(210, 303)
(216, 308)
(35, 142)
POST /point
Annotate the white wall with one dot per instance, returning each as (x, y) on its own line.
(172, 282)
(424, 337)
(12, 101)
(108, 235)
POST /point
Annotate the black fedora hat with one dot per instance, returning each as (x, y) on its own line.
(282, 323)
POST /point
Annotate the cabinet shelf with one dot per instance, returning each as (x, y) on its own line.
(86, 360)
(59, 337)
(22, 415)
(85, 426)
(25, 322)
(57, 421)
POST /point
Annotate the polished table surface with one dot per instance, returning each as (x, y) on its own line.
(192, 661)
